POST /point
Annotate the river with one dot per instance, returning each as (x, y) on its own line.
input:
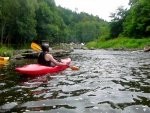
(108, 82)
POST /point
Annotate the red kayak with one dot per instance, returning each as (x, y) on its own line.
(37, 69)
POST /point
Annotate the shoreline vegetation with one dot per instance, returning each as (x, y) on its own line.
(120, 43)
(115, 44)
(6, 51)
(128, 29)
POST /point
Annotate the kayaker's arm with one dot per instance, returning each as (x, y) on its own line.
(51, 58)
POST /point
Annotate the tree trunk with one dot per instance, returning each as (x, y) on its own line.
(2, 32)
(8, 36)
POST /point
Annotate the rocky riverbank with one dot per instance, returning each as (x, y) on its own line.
(30, 53)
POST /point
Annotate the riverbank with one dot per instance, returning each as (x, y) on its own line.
(120, 43)
(29, 53)
(63, 50)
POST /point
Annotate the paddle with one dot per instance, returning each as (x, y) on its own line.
(35, 46)
(38, 48)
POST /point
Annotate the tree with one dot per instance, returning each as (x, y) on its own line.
(117, 22)
(49, 24)
(133, 2)
(44, 20)
(25, 21)
(137, 23)
(8, 17)
(18, 20)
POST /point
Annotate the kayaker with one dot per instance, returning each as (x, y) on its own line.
(46, 59)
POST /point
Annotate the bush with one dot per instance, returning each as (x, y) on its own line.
(4, 51)
(121, 42)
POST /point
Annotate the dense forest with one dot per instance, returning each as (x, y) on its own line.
(22, 21)
(134, 23)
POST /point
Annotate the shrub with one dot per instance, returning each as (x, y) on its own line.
(4, 51)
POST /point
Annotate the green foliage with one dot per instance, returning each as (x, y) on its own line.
(119, 43)
(4, 51)
(82, 27)
(117, 22)
(18, 22)
(138, 21)
(104, 38)
(24, 20)
(44, 20)
(133, 2)
(91, 44)
(134, 22)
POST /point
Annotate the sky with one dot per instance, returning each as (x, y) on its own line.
(101, 8)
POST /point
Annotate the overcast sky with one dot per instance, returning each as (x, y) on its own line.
(101, 8)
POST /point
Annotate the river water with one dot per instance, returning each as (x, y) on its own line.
(107, 82)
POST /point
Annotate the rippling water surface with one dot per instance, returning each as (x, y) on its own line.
(107, 82)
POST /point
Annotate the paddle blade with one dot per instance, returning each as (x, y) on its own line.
(74, 68)
(35, 46)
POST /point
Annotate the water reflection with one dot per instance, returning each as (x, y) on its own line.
(108, 81)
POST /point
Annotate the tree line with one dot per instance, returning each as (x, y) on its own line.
(22, 21)
(132, 23)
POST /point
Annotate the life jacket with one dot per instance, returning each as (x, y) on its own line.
(42, 61)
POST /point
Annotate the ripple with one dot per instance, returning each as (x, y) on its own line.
(107, 82)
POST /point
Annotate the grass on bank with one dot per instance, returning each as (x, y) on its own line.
(5, 51)
(118, 43)
(8, 51)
